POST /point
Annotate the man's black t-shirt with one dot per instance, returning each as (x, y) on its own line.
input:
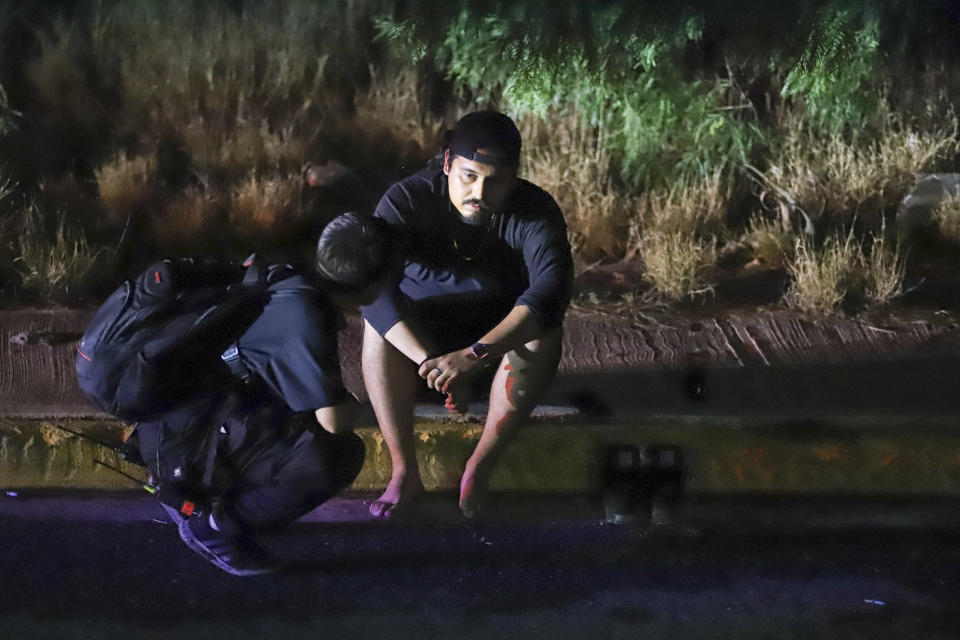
(520, 257)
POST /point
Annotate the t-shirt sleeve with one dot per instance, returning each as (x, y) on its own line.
(547, 255)
(307, 374)
(292, 347)
(394, 208)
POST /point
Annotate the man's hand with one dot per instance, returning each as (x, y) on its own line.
(458, 396)
(443, 371)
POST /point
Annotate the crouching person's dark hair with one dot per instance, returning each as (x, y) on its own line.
(352, 252)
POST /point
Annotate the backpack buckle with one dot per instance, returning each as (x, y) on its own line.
(231, 357)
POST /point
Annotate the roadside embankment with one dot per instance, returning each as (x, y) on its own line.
(766, 402)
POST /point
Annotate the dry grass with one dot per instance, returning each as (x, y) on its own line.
(692, 207)
(947, 217)
(571, 162)
(185, 62)
(834, 176)
(821, 278)
(249, 147)
(261, 205)
(127, 185)
(772, 245)
(62, 83)
(392, 100)
(52, 269)
(842, 270)
(676, 263)
(884, 268)
(185, 220)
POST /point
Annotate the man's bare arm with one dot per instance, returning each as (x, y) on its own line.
(402, 337)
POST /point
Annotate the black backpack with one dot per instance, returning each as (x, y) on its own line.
(155, 344)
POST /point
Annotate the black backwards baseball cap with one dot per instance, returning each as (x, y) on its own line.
(491, 131)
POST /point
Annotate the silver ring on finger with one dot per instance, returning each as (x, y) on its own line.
(439, 371)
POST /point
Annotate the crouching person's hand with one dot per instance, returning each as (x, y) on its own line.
(340, 418)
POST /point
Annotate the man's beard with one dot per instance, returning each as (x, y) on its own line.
(476, 218)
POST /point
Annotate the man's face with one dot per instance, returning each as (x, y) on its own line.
(477, 189)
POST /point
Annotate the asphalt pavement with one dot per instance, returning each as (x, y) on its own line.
(98, 565)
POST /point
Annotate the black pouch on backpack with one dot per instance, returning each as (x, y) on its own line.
(155, 343)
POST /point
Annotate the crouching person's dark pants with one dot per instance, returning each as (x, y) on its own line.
(270, 468)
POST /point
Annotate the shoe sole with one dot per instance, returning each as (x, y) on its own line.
(201, 549)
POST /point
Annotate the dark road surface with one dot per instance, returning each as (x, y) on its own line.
(110, 566)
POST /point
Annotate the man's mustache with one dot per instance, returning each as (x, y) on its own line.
(479, 203)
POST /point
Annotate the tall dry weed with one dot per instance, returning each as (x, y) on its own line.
(127, 185)
(230, 155)
(676, 264)
(63, 81)
(186, 220)
(692, 206)
(884, 269)
(53, 269)
(869, 273)
(947, 217)
(262, 205)
(571, 162)
(822, 278)
(392, 100)
(771, 244)
(836, 176)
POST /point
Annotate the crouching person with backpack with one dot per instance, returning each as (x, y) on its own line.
(244, 421)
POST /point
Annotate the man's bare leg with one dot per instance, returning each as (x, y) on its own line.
(391, 380)
(523, 377)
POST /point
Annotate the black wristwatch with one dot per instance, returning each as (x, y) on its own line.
(480, 350)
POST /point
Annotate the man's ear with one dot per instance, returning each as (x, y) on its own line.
(446, 162)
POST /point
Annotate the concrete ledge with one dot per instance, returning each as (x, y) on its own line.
(856, 455)
(762, 364)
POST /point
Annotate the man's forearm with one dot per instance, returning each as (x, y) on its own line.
(401, 337)
(518, 328)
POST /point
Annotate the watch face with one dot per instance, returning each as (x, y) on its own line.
(480, 350)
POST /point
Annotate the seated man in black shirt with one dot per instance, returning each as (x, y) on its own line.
(486, 281)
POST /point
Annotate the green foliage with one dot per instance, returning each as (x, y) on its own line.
(637, 116)
(834, 76)
(658, 125)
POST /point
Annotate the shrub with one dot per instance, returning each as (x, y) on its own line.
(183, 224)
(628, 84)
(772, 245)
(884, 270)
(947, 218)
(675, 263)
(834, 76)
(572, 163)
(821, 278)
(261, 205)
(127, 185)
(837, 177)
(693, 207)
(53, 269)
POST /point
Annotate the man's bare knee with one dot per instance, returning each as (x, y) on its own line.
(544, 352)
(530, 370)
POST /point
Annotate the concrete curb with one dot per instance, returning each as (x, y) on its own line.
(780, 393)
(855, 455)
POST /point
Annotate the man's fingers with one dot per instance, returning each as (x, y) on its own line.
(426, 368)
